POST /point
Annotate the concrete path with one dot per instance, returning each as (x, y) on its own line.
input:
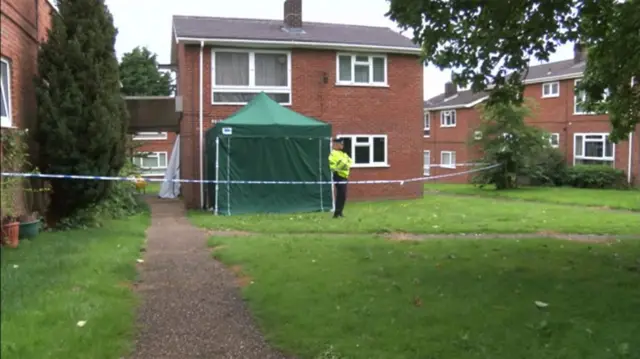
(191, 306)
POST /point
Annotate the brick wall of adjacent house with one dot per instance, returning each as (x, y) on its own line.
(23, 26)
(395, 111)
(554, 115)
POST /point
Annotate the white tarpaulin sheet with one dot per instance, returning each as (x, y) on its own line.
(170, 189)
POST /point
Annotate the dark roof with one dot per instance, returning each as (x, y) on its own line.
(536, 73)
(463, 98)
(254, 29)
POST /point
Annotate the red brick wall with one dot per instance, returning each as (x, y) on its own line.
(23, 24)
(555, 115)
(395, 111)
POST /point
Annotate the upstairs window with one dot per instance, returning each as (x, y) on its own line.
(5, 93)
(448, 118)
(427, 124)
(239, 75)
(150, 136)
(364, 70)
(550, 89)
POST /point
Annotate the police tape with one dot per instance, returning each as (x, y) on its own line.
(136, 179)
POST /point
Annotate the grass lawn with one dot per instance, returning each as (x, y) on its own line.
(54, 281)
(629, 200)
(436, 214)
(371, 298)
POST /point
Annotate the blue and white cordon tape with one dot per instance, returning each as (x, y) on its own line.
(134, 179)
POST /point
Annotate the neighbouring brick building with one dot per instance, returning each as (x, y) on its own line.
(451, 119)
(366, 81)
(157, 147)
(24, 24)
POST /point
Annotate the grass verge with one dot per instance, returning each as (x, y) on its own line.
(618, 199)
(52, 282)
(436, 214)
(363, 297)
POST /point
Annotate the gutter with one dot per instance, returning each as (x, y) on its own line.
(629, 166)
(201, 122)
(301, 44)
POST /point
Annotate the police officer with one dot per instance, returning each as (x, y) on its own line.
(340, 164)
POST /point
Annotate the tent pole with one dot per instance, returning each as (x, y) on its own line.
(320, 172)
(215, 211)
(228, 176)
(333, 189)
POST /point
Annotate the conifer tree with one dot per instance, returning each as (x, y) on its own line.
(82, 118)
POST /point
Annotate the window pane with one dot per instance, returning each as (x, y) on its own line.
(4, 89)
(379, 150)
(427, 163)
(593, 149)
(271, 70)
(362, 139)
(554, 88)
(244, 97)
(232, 68)
(578, 146)
(378, 69)
(445, 158)
(363, 154)
(362, 59)
(361, 74)
(162, 159)
(545, 89)
(150, 161)
(453, 158)
(347, 146)
(345, 68)
(608, 148)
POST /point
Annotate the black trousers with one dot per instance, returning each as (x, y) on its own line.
(341, 193)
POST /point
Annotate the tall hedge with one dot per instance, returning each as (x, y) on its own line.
(82, 118)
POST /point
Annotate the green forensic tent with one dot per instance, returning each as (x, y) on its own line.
(264, 141)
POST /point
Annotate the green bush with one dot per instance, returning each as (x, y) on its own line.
(595, 176)
(548, 168)
(123, 200)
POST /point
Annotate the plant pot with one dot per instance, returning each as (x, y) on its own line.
(29, 229)
(10, 234)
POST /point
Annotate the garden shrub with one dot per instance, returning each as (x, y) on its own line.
(596, 176)
(548, 168)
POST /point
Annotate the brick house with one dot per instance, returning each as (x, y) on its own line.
(450, 120)
(366, 81)
(24, 24)
(157, 147)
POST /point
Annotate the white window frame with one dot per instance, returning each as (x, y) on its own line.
(426, 132)
(583, 95)
(605, 159)
(151, 171)
(452, 157)
(557, 137)
(452, 120)
(426, 165)
(370, 145)
(371, 83)
(549, 86)
(251, 88)
(150, 136)
(6, 121)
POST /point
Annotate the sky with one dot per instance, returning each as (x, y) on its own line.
(148, 23)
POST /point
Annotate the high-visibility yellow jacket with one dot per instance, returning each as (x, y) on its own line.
(340, 163)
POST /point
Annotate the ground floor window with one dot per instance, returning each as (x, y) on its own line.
(593, 148)
(554, 140)
(448, 159)
(5, 93)
(427, 163)
(366, 150)
(151, 163)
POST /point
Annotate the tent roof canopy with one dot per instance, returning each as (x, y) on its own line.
(263, 117)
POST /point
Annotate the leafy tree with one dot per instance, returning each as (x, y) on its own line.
(507, 140)
(82, 118)
(140, 76)
(485, 42)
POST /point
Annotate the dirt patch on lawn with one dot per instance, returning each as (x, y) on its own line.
(221, 233)
(587, 238)
(242, 280)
